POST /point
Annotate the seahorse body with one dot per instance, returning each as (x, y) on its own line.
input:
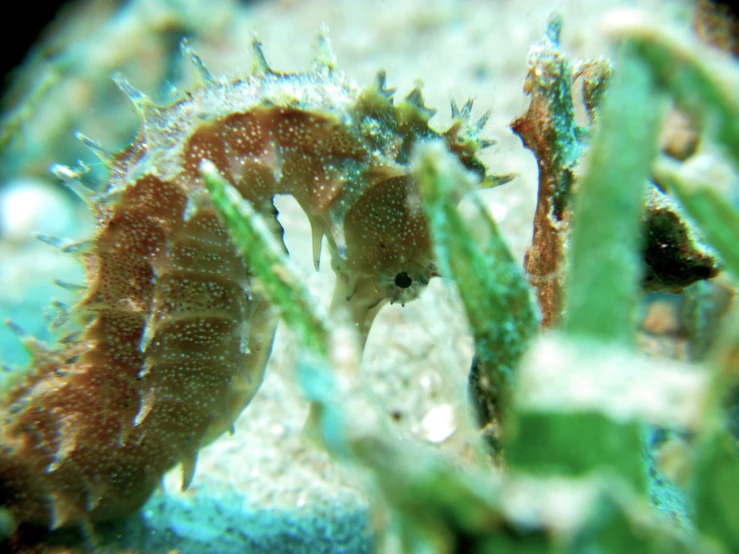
(175, 331)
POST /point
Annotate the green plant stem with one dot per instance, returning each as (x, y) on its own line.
(605, 264)
(267, 261)
(470, 250)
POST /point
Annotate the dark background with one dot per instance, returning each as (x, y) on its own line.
(22, 29)
(24, 26)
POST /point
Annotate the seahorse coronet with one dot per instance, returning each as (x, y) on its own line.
(174, 333)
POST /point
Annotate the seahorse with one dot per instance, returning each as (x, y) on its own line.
(174, 331)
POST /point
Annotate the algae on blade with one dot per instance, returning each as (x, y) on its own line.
(471, 252)
(549, 130)
(602, 290)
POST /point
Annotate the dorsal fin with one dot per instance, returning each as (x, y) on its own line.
(464, 114)
(61, 314)
(202, 75)
(102, 154)
(259, 67)
(324, 62)
(318, 229)
(415, 99)
(189, 464)
(36, 348)
(64, 246)
(70, 178)
(75, 287)
(54, 242)
(381, 82)
(141, 101)
(480, 123)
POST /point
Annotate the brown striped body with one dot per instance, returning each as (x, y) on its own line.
(175, 331)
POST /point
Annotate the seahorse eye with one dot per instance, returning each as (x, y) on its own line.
(403, 281)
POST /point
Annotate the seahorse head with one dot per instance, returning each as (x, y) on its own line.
(381, 247)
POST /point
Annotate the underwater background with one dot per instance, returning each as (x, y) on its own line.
(268, 488)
